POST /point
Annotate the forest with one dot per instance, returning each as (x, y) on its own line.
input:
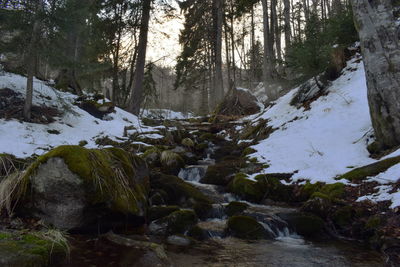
(199, 133)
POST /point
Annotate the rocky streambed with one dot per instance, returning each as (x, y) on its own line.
(184, 201)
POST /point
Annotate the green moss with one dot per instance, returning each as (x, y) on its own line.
(83, 143)
(373, 222)
(235, 208)
(188, 142)
(157, 212)
(171, 161)
(181, 221)
(343, 216)
(256, 132)
(308, 189)
(245, 227)
(31, 249)
(332, 192)
(305, 224)
(248, 151)
(245, 188)
(176, 188)
(273, 189)
(374, 169)
(222, 172)
(109, 171)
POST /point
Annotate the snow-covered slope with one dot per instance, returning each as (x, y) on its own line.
(24, 139)
(327, 140)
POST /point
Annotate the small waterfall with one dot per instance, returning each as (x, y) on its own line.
(193, 173)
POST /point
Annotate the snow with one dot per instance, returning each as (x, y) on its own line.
(165, 114)
(23, 139)
(327, 140)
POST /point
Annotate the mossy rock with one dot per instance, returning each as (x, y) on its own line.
(235, 208)
(31, 249)
(245, 188)
(201, 147)
(209, 137)
(222, 172)
(305, 224)
(152, 156)
(72, 179)
(331, 192)
(202, 209)
(177, 190)
(343, 216)
(374, 223)
(171, 162)
(273, 189)
(181, 221)
(318, 206)
(187, 142)
(197, 233)
(307, 190)
(245, 227)
(158, 212)
(373, 169)
(247, 151)
(256, 132)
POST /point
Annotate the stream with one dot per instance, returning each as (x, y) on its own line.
(284, 248)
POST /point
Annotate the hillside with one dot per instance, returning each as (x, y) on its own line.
(326, 138)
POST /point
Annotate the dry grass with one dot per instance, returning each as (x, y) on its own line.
(12, 189)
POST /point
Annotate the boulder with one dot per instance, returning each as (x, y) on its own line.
(245, 227)
(72, 187)
(239, 102)
(27, 249)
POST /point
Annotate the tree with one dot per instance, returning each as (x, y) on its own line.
(137, 89)
(380, 44)
(31, 59)
(268, 60)
(218, 21)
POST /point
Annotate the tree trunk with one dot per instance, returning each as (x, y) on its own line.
(31, 63)
(137, 90)
(267, 59)
(218, 82)
(287, 29)
(381, 52)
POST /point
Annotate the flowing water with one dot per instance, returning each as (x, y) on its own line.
(286, 248)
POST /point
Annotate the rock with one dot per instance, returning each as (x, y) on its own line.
(154, 254)
(187, 142)
(308, 92)
(157, 212)
(245, 227)
(203, 209)
(71, 187)
(177, 240)
(373, 169)
(177, 191)
(25, 249)
(181, 221)
(171, 162)
(238, 102)
(222, 172)
(95, 105)
(305, 224)
(235, 208)
(152, 156)
(273, 189)
(245, 188)
(319, 206)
